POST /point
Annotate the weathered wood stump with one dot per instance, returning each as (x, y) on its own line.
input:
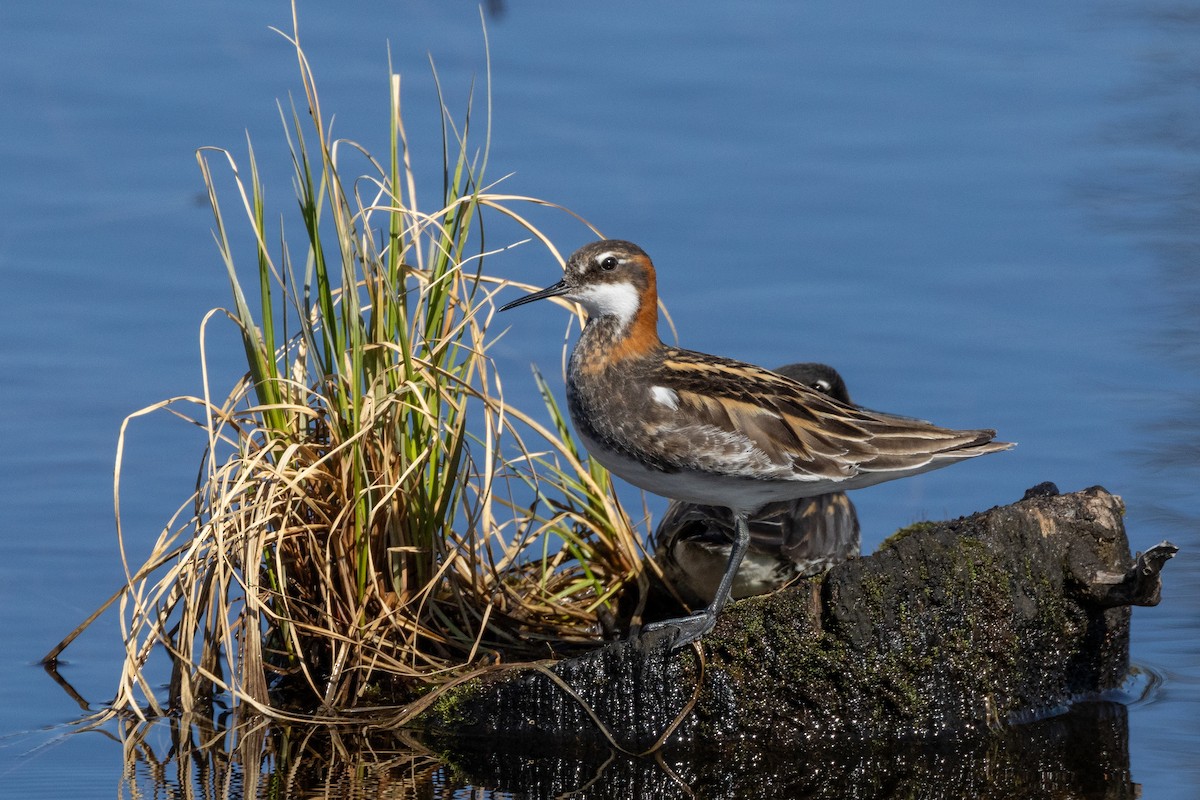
(950, 626)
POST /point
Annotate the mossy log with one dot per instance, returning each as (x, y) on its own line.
(950, 626)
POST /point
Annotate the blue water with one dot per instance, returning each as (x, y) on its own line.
(982, 214)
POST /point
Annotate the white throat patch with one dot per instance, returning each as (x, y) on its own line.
(620, 300)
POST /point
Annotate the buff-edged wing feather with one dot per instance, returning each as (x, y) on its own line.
(769, 424)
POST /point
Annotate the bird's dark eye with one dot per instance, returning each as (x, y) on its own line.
(609, 263)
(823, 386)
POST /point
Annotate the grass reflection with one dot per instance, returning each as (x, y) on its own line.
(1082, 753)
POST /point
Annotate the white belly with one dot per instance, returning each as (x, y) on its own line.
(706, 488)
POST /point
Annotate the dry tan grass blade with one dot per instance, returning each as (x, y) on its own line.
(372, 519)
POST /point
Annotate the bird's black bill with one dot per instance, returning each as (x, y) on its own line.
(549, 291)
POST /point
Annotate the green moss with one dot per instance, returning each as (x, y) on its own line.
(904, 532)
(873, 585)
(453, 708)
(970, 604)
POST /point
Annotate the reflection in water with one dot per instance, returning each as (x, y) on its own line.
(1149, 194)
(1080, 754)
(199, 759)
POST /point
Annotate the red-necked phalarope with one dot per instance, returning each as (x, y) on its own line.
(713, 431)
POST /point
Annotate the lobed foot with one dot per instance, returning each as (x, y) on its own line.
(679, 632)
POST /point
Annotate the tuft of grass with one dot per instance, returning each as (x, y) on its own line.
(372, 519)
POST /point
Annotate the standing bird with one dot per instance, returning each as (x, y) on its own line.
(788, 539)
(714, 431)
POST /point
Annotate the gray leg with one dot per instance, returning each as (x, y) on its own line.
(689, 629)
